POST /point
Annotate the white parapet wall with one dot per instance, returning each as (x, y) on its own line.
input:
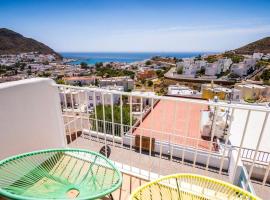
(30, 116)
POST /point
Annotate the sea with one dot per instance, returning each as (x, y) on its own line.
(124, 57)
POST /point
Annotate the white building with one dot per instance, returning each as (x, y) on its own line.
(124, 81)
(80, 98)
(139, 102)
(252, 91)
(212, 69)
(200, 63)
(190, 67)
(257, 56)
(178, 90)
(225, 64)
(242, 68)
(109, 99)
(83, 80)
(250, 62)
(266, 57)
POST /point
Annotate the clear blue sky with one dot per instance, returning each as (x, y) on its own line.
(142, 25)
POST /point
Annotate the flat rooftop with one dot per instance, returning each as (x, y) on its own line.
(176, 122)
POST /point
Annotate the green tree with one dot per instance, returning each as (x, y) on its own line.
(211, 59)
(257, 78)
(22, 66)
(84, 65)
(266, 75)
(160, 73)
(99, 64)
(180, 70)
(237, 58)
(150, 83)
(108, 118)
(261, 63)
(143, 81)
(148, 62)
(201, 72)
(110, 72)
(60, 81)
(3, 69)
(45, 74)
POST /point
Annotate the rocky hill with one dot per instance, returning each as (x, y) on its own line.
(262, 46)
(13, 43)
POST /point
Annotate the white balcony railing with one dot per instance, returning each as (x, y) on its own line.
(157, 135)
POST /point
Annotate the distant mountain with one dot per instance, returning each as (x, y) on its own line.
(262, 46)
(13, 43)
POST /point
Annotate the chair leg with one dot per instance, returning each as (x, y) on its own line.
(111, 197)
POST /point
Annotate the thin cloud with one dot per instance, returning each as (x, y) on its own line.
(235, 27)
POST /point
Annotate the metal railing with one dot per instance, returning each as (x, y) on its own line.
(262, 157)
(165, 131)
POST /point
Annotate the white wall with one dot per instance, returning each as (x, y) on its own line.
(30, 116)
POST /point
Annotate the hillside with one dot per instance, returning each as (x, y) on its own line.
(262, 46)
(13, 43)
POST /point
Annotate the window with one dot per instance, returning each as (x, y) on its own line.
(90, 98)
(98, 97)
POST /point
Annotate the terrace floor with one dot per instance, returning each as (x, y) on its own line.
(130, 183)
(142, 162)
(155, 164)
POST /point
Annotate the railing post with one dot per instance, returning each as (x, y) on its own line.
(241, 145)
(258, 146)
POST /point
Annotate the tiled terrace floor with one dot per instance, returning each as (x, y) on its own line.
(142, 161)
(129, 184)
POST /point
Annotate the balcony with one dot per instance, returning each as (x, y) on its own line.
(146, 136)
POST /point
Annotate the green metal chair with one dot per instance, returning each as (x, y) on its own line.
(58, 174)
(190, 187)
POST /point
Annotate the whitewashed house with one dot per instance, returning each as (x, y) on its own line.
(179, 90)
(257, 56)
(125, 81)
(250, 62)
(190, 67)
(242, 68)
(266, 57)
(200, 63)
(212, 69)
(239, 69)
(225, 64)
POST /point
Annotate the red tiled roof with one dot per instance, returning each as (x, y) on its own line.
(180, 119)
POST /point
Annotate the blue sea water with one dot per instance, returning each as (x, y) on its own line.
(92, 58)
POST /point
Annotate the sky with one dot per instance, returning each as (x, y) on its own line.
(138, 25)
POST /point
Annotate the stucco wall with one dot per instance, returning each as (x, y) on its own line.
(30, 116)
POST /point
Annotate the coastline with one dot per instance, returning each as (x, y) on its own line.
(123, 57)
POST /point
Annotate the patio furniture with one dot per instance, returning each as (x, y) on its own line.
(190, 186)
(105, 150)
(58, 174)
